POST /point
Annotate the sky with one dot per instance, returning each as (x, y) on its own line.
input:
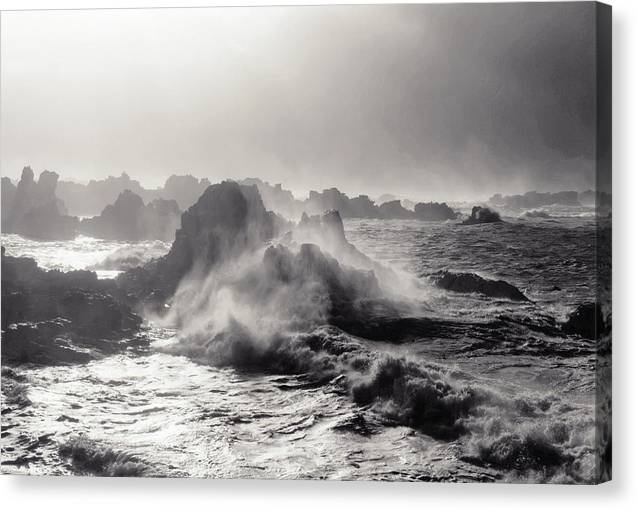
(426, 102)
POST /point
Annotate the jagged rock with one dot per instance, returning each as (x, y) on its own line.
(343, 289)
(586, 320)
(50, 316)
(91, 199)
(128, 219)
(226, 221)
(32, 209)
(470, 283)
(327, 231)
(433, 211)
(482, 215)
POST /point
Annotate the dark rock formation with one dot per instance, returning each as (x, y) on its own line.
(51, 316)
(586, 320)
(227, 220)
(433, 211)
(482, 215)
(533, 199)
(472, 283)
(536, 214)
(128, 219)
(393, 210)
(33, 210)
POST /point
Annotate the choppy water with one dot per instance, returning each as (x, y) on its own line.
(179, 418)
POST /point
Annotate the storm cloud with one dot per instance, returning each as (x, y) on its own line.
(429, 102)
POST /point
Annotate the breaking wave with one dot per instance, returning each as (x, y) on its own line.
(90, 457)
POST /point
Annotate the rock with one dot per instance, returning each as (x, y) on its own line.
(482, 215)
(46, 223)
(56, 314)
(227, 221)
(536, 214)
(433, 211)
(8, 194)
(128, 219)
(91, 199)
(185, 189)
(32, 209)
(533, 199)
(343, 289)
(393, 210)
(586, 320)
(470, 283)
(327, 231)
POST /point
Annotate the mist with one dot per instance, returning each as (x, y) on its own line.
(430, 102)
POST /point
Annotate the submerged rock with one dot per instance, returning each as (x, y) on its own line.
(471, 282)
(51, 316)
(482, 215)
(586, 320)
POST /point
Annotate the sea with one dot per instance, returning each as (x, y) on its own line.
(161, 413)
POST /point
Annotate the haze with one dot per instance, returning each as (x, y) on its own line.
(430, 102)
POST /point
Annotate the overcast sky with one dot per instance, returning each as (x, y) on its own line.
(428, 102)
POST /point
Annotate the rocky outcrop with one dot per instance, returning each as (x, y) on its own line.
(533, 199)
(536, 214)
(90, 199)
(8, 194)
(482, 215)
(393, 210)
(227, 221)
(56, 317)
(33, 210)
(586, 320)
(472, 283)
(433, 211)
(128, 219)
(185, 189)
(342, 288)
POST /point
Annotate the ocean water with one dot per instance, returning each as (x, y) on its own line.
(530, 396)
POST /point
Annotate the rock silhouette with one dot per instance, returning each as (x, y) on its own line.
(226, 221)
(128, 219)
(470, 283)
(55, 317)
(482, 215)
(433, 211)
(586, 320)
(33, 210)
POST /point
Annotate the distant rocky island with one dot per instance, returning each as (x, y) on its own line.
(120, 208)
(34, 209)
(534, 199)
